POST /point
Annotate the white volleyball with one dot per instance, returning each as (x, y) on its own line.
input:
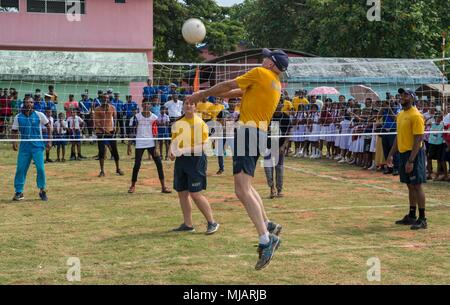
(193, 31)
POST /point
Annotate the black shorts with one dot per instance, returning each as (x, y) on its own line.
(437, 152)
(190, 174)
(249, 143)
(418, 175)
(447, 153)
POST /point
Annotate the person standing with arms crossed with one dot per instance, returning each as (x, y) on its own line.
(260, 89)
(28, 123)
(104, 118)
(409, 143)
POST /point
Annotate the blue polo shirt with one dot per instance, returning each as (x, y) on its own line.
(85, 105)
(30, 127)
(149, 92)
(118, 104)
(129, 107)
(163, 91)
(51, 105)
(97, 102)
(389, 121)
(40, 106)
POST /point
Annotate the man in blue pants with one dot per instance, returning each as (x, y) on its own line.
(29, 123)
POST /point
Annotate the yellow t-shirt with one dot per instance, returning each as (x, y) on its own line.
(262, 91)
(409, 124)
(215, 109)
(190, 132)
(203, 110)
(287, 107)
(296, 101)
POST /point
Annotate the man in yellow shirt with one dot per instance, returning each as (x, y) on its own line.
(203, 109)
(409, 143)
(260, 89)
(215, 109)
(287, 107)
(299, 99)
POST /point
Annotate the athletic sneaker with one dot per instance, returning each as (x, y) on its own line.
(343, 160)
(421, 223)
(407, 220)
(183, 228)
(274, 228)
(266, 252)
(102, 174)
(43, 195)
(219, 172)
(211, 228)
(18, 197)
(120, 172)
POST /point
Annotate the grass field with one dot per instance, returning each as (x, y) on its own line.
(335, 218)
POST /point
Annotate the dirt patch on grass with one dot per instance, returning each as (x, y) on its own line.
(151, 182)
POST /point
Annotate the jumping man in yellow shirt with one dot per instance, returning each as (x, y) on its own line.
(260, 90)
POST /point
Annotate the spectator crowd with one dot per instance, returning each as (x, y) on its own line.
(357, 133)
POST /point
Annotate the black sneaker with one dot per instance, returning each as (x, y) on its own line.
(421, 223)
(266, 252)
(274, 228)
(212, 228)
(183, 228)
(102, 174)
(120, 172)
(73, 158)
(43, 195)
(407, 220)
(388, 171)
(49, 160)
(81, 157)
(395, 172)
(18, 197)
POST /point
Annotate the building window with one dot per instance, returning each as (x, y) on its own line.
(54, 6)
(120, 1)
(9, 6)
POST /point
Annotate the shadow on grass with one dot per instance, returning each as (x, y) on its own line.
(167, 235)
(368, 230)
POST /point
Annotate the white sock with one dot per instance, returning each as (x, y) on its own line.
(264, 239)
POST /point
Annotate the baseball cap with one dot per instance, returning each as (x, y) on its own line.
(280, 58)
(407, 91)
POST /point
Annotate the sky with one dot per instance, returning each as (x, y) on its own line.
(228, 2)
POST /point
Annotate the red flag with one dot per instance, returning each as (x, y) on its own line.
(197, 80)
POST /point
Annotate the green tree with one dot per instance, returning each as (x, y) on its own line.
(222, 33)
(408, 29)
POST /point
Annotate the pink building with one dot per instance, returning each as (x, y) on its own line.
(104, 25)
(118, 26)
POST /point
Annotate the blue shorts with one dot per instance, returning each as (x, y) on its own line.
(58, 142)
(45, 137)
(163, 132)
(75, 136)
